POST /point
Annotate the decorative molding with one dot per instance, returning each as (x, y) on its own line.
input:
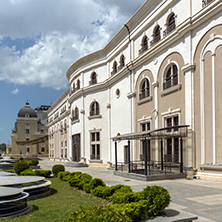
(131, 94)
(155, 84)
(188, 68)
(95, 130)
(82, 111)
(75, 121)
(108, 106)
(145, 100)
(171, 89)
(170, 112)
(95, 117)
(144, 119)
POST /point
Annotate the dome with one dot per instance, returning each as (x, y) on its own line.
(27, 110)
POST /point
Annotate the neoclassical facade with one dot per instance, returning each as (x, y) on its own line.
(161, 69)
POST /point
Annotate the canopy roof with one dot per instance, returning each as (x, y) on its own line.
(162, 133)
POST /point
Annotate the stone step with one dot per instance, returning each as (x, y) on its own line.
(75, 164)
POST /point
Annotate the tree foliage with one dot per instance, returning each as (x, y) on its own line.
(3, 147)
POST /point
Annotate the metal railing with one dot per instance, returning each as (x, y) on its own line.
(171, 82)
(206, 2)
(174, 158)
(169, 29)
(94, 157)
(143, 49)
(144, 94)
(153, 167)
(93, 81)
(155, 40)
(94, 112)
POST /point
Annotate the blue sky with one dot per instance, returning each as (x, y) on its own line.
(40, 39)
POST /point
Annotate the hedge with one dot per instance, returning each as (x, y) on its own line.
(30, 172)
(63, 175)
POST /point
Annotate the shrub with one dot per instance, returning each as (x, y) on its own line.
(86, 187)
(63, 175)
(11, 157)
(1, 157)
(95, 183)
(34, 162)
(9, 171)
(43, 173)
(20, 166)
(21, 158)
(57, 168)
(84, 179)
(98, 191)
(98, 214)
(75, 179)
(28, 172)
(121, 197)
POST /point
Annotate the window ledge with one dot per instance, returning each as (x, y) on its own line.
(75, 121)
(170, 90)
(95, 161)
(95, 117)
(145, 100)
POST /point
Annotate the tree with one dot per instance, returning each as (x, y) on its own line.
(3, 147)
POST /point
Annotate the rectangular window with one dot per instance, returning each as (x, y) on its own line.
(42, 131)
(95, 146)
(27, 130)
(27, 149)
(27, 139)
(43, 149)
(145, 126)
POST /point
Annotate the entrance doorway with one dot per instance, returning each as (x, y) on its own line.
(76, 139)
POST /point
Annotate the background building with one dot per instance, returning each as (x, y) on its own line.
(31, 128)
(161, 69)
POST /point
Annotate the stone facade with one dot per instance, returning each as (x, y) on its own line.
(161, 69)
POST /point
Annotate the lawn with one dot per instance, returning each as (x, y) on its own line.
(57, 206)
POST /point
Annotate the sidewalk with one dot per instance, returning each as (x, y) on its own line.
(201, 198)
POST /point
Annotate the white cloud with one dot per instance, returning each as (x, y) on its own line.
(15, 91)
(63, 32)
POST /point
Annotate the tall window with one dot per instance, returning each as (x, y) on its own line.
(172, 154)
(114, 68)
(122, 62)
(95, 146)
(27, 131)
(170, 24)
(93, 78)
(94, 109)
(144, 44)
(145, 127)
(78, 84)
(61, 128)
(171, 77)
(144, 89)
(156, 35)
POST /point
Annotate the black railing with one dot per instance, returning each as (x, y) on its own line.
(114, 71)
(205, 2)
(143, 49)
(155, 40)
(94, 157)
(93, 81)
(142, 157)
(169, 29)
(74, 118)
(174, 158)
(94, 112)
(144, 94)
(171, 82)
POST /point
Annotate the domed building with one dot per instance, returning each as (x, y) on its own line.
(30, 137)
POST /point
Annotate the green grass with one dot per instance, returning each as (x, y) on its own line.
(62, 201)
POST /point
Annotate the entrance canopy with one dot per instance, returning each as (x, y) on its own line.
(163, 133)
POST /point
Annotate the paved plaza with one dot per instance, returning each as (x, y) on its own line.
(202, 198)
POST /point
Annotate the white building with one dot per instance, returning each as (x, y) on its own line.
(161, 69)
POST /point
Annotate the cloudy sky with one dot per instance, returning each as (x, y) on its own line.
(40, 39)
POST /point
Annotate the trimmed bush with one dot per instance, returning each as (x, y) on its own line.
(98, 214)
(63, 175)
(75, 179)
(11, 157)
(34, 162)
(28, 172)
(95, 183)
(57, 168)
(43, 173)
(86, 187)
(84, 179)
(20, 166)
(98, 191)
(21, 158)
(9, 171)
(121, 197)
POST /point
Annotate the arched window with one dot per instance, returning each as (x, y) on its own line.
(170, 24)
(156, 36)
(144, 44)
(144, 89)
(73, 87)
(65, 127)
(171, 77)
(122, 62)
(78, 84)
(75, 114)
(61, 128)
(114, 68)
(94, 109)
(93, 78)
